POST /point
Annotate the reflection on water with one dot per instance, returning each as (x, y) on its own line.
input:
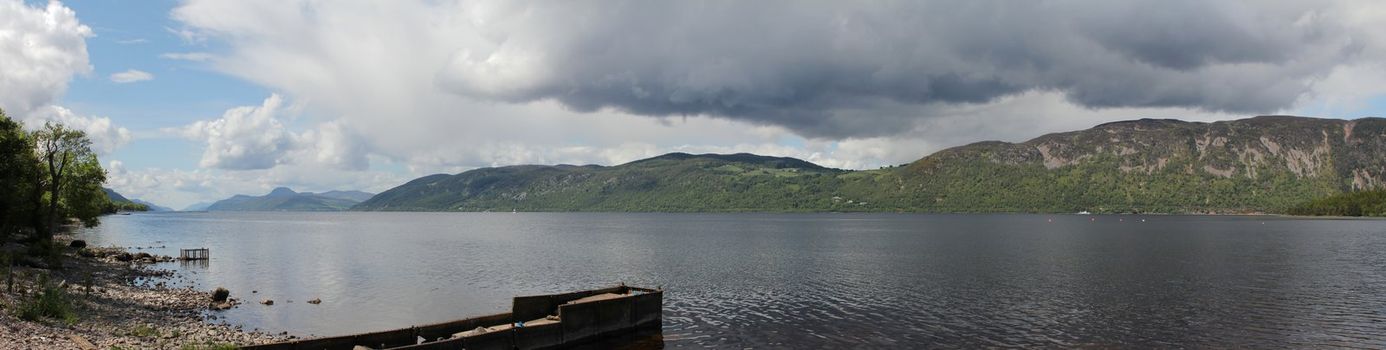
(808, 280)
(643, 339)
(194, 264)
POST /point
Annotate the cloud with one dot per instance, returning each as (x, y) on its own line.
(132, 41)
(449, 85)
(188, 56)
(41, 48)
(130, 76)
(178, 188)
(104, 135)
(256, 137)
(248, 137)
(826, 69)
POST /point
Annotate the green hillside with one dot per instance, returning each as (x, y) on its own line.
(118, 203)
(673, 182)
(1262, 164)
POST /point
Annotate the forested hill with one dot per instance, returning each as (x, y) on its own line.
(671, 182)
(1262, 164)
(117, 202)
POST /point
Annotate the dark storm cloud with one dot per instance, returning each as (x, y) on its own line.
(846, 68)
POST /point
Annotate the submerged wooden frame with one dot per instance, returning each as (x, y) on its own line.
(578, 323)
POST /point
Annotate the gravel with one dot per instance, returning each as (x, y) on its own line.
(128, 305)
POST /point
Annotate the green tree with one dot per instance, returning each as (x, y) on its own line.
(17, 166)
(63, 154)
(82, 197)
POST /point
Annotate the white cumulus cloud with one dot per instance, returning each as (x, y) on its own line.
(106, 137)
(248, 137)
(131, 76)
(256, 137)
(41, 49)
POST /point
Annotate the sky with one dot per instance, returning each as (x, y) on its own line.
(197, 100)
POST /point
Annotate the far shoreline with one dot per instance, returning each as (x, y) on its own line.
(1288, 216)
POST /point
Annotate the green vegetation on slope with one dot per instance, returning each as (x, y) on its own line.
(1363, 203)
(1262, 164)
(118, 203)
(675, 182)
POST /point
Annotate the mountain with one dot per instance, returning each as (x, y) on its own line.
(120, 203)
(284, 199)
(357, 196)
(672, 182)
(151, 206)
(114, 196)
(1261, 164)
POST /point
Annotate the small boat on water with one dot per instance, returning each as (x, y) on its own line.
(1085, 212)
(551, 321)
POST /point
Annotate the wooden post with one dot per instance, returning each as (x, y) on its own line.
(194, 254)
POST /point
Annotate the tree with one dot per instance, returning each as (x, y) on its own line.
(60, 150)
(82, 197)
(17, 165)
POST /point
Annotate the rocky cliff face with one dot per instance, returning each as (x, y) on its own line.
(1274, 160)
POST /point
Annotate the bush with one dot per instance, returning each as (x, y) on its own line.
(52, 302)
(51, 253)
(220, 294)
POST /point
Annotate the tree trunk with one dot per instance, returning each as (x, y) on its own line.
(36, 217)
(55, 176)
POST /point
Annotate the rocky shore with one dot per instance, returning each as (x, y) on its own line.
(119, 300)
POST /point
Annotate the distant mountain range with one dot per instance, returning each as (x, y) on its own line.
(285, 199)
(1262, 164)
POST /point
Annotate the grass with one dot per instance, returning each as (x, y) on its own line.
(52, 302)
(145, 331)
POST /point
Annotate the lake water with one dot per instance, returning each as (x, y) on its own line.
(808, 280)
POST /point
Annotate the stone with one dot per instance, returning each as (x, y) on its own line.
(315, 301)
(77, 243)
(267, 302)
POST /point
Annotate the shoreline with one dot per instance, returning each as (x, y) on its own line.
(122, 305)
(1250, 214)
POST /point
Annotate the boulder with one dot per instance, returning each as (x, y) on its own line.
(124, 257)
(77, 243)
(268, 302)
(315, 301)
(220, 294)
